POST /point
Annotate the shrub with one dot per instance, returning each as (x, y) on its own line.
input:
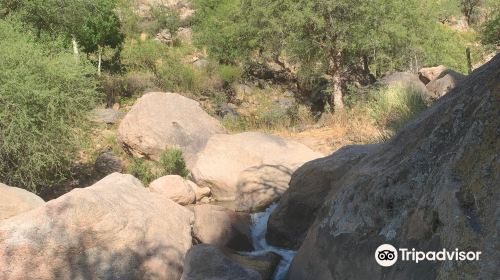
(45, 97)
(171, 163)
(394, 106)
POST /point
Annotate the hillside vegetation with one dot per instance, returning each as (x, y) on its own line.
(286, 67)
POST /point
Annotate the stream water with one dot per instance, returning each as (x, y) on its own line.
(258, 231)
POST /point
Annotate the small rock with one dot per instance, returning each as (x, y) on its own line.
(108, 116)
(175, 188)
(201, 63)
(200, 193)
(107, 163)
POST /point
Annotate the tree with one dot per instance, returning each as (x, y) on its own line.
(490, 32)
(468, 8)
(100, 29)
(93, 24)
(44, 98)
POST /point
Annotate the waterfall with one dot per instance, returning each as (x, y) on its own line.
(258, 231)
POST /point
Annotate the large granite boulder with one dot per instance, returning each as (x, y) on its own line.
(309, 186)
(161, 120)
(221, 163)
(443, 84)
(114, 229)
(14, 201)
(434, 185)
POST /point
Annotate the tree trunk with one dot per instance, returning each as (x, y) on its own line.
(75, 46)
(99, 54)
(366, 66)
(335, 78)
(338, 103)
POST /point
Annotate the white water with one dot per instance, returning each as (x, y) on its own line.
(258, 231)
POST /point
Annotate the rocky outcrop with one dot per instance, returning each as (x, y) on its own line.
(208, 262)
(443, 84)
(219, 226)
(309, 186)
(114, 229)
(14, 201)
(221, 163)
(159, 120)
(432, 186)
(428, 74)
(175, 188)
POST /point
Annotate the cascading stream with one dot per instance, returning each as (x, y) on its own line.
(258, 231)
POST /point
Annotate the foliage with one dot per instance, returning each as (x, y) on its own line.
(394, 106)
(44, 98)
(490, 32)
(171, 163)
(164, 17)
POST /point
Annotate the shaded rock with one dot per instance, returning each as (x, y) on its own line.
(165, 37)
(219, 226)
(264, 263)
(204, 262)
(309, 187)
(159, 120)
(108, 115)
(114, 229)
(14, 201)
(199, 192)
(175, 188)
(107, 163)
(428, 74)
(406, 80)
(258, 187)
(224, 158)
(201, 63)
(434, 185)
(442, 85)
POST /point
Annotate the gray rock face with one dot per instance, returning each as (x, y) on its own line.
(407, 80)
(443, 84)
(432, 186)
(309, 186)
(108, 116)
(114, 229)
(159, 120)
(14, 201)
(205, 262)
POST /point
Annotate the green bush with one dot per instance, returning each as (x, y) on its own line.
(45, 97)
(394, 106)
(170, 163)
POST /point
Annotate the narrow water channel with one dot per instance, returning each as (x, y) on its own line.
(258, 231)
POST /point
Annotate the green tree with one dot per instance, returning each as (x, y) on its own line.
(93, 24)
(490, 32)
(44, 98)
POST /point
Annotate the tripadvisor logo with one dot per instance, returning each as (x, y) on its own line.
(387, 255)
